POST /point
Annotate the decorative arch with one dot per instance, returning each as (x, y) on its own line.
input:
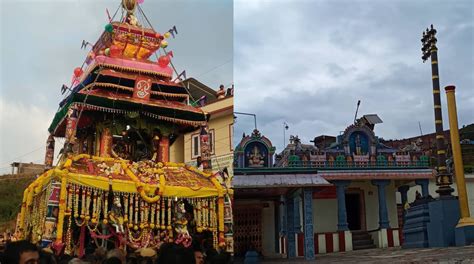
(359, 140)
(254, 151)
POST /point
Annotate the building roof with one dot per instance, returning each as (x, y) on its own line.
(197, 89)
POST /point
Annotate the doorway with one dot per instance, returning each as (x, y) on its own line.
(355, 209)
(247, 228)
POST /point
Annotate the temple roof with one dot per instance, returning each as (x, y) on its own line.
(120, 77)
(161, 110)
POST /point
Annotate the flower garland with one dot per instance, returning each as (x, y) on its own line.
(162, 226)
(83, 203)
(76, 201)
(88, 205)
(106, 208)
(152, 215)
(169, 215)
(135, 219)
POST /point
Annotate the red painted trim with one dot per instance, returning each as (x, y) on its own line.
(300, 237)
(390, 237)
(325, 192)
(329, 245)
(282, 245)
(400, 236)
(316, 244)
(342, 242)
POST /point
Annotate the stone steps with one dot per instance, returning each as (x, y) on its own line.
(362, 240)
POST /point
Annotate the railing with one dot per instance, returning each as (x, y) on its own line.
(358, 164)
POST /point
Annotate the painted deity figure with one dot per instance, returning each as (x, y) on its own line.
(181, 225)
(121, 148)
(358, 145)
(255, 158)
(116, 216)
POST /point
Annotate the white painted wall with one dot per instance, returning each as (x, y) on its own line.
(390, 192)
(372, 203)
(268, 227)
(325, 210)
(324, 215)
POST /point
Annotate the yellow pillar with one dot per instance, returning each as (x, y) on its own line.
(62, 209)
(465, 220)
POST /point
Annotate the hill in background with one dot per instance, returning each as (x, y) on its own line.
(11, 190)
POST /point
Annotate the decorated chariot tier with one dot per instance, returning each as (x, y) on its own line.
(114, 181)
(137, 204)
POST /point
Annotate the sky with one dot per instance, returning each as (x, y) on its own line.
(307, 63)
(40, 45)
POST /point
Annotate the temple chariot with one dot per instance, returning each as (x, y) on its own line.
(115, 184)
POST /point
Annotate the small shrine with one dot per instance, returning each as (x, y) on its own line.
(254, 151)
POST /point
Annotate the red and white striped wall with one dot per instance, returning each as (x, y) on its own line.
(332, 242)
(390, 237)
(282, 242)
(342, 241)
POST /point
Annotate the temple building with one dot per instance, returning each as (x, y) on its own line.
(338, 194)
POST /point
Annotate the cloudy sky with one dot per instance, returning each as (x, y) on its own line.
(301, 62)
(40, 44)
(308, 62)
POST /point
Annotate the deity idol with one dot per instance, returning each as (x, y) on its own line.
(256, 159)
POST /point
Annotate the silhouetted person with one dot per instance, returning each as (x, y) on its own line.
(21, 252)
(171, 253)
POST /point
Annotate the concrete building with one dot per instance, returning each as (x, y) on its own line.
(27, 168)
(220, 107)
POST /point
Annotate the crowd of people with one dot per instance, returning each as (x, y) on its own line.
(24, 252)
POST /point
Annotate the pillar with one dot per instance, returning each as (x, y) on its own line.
(205, 149)
(384, 223)
(297, 221)
(105, 143)
(404, 195)
(308, 223)
(341, 205)
(164, 151)
(282, 223)
(465, 220)
(49, 156)
(282, 215)
(290, 211)
(424, 186)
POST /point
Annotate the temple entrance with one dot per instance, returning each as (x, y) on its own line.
(355, 209)
(247, 228)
